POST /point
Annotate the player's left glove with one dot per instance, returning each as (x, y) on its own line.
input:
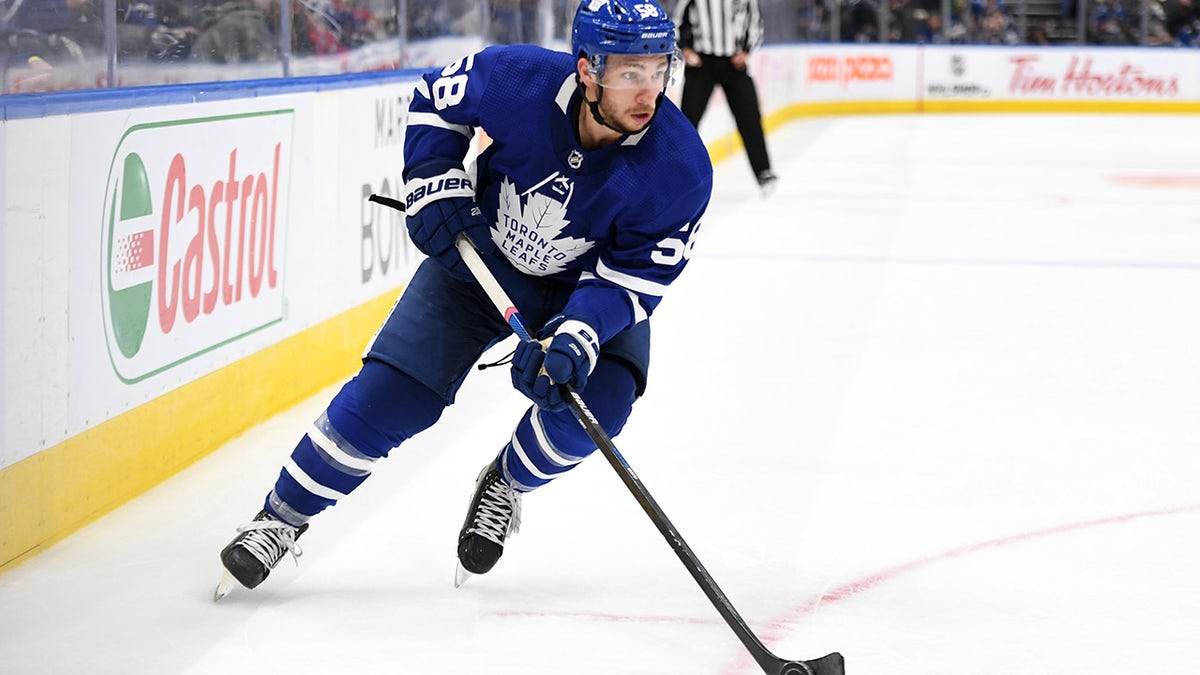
(569, 358)
(440, 205)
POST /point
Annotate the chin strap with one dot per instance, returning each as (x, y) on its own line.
(593, 106)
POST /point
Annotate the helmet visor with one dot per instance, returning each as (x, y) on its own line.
(638, 71)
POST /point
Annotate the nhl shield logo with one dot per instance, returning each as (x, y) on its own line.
(575, 159)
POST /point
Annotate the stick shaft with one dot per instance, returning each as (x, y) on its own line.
(495, 292)
(492, 287)
(830, 664)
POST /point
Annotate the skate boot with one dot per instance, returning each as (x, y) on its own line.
(258, 548)
(495, 513)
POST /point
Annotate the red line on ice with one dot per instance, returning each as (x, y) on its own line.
(779, 628)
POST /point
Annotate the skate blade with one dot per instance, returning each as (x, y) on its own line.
(224, 586)
(461, 575)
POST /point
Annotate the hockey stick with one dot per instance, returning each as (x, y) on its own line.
(830, 664)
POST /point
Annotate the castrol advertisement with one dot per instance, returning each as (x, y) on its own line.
(186, 245)
(194, 218)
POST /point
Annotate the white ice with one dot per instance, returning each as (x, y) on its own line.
(935, 404)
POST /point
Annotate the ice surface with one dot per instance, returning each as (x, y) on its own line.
(934, 404)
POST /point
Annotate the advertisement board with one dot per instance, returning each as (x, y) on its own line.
(184, 239)
(1069, 74)
(840, 77)
(5, 266)
(875, 73)
(373, 248)
(959, 74)
(167, 258)
(35, 280)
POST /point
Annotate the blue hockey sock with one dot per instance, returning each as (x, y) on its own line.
(546, 445)
(374, 412)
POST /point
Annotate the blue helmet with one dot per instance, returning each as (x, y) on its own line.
(604, 27)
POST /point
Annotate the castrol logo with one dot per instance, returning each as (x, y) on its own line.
(194, 221)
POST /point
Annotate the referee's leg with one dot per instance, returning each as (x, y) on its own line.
(698, 85)
(743, 103)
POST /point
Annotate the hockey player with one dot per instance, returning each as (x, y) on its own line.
(585, 206)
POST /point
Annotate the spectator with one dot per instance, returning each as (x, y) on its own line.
(994, 26)
(1038, 33)
(55, 31)
(25, 73)
(1111, 24)
(1156, 29)
(47, 16)
(1181, 20)
(237, 32)
(860, 21)
(160, 31)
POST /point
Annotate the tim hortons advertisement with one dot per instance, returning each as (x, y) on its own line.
(1058, 74)
(191, 241)
(1121, 74)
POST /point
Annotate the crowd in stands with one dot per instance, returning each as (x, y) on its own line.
(1120, 22)
(216, 31)
(995, 22)
(47, 33)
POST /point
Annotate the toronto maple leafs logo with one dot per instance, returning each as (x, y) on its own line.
(532, 225)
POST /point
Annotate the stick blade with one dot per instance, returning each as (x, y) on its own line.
(830, 664)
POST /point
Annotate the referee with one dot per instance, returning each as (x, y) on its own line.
(716, 36)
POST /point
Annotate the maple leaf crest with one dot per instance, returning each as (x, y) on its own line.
(531, 232)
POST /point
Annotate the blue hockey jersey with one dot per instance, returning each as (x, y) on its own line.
(619, 221)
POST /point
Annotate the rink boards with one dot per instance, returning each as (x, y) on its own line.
(184, 263)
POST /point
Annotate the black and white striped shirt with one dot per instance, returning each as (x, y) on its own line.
(719, 27)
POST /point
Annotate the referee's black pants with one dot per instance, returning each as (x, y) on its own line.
(742, 95)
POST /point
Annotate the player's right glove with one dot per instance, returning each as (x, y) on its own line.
(440, 205)
(569, 358)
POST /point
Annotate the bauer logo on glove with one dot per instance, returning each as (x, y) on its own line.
(440, 205)
(422, 191)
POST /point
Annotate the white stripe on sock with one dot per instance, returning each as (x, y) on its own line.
(309, 483)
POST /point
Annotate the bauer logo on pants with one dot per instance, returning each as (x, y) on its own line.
(195, 213)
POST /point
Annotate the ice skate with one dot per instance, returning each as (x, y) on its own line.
(494, 514)
(256, 550)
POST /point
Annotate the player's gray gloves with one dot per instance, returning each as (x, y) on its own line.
(440, 204)
(569, 358)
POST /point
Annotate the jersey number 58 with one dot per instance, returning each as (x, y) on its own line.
(451, 87)
(674, 250)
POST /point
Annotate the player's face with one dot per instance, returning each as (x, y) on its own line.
(631, 88)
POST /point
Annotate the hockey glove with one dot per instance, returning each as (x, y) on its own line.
(569, 358)
(440, 204)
